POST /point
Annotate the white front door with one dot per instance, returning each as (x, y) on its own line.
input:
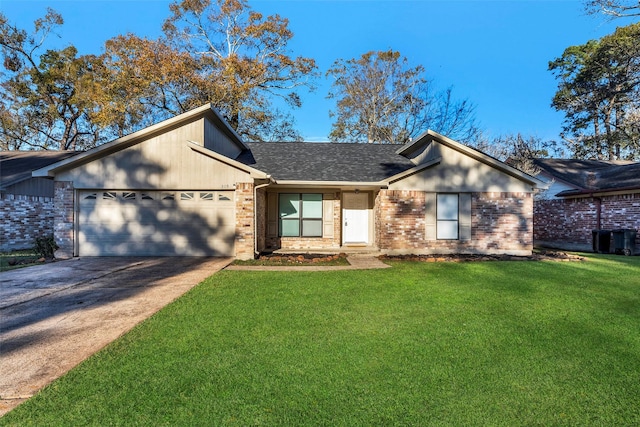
(355, 219)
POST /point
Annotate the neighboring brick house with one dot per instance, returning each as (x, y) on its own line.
(585, 195)
(191, 186)
(26, 203)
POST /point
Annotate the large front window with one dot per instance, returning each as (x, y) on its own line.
(300, 215)
(447, 217)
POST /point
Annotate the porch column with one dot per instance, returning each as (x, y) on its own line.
(245, 221)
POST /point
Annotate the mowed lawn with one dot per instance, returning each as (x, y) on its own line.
(485, 343)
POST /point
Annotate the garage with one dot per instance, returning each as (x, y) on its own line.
(156, 223)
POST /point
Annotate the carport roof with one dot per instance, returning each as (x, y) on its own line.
(311, 161)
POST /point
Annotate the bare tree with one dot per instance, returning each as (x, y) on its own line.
(613, 8)
(381, 99)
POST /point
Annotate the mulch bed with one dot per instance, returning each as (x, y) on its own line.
(539, 255)
(297, 259)
(543, 255)
(302, 258)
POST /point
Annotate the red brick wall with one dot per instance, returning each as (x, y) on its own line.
(500, 223)
(568, 223)
(23, 219)
(64, 218)
(244, 221)
(400, 219)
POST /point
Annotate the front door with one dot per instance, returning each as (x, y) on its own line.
(355, 219)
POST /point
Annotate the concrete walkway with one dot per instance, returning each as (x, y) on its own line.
(54, 316)
(357, 262)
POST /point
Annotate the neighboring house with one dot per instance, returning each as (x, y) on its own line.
(191, 186)
(26, 202)
(16, 168)
(585, 195)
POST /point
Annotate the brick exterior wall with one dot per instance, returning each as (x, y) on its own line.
(64, 218)
(244, 221)
(400, 220)
(24, 218)
(568, 223)
(500, 223)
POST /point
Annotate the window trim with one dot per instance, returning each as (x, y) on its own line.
(447, 220)
(301, 218)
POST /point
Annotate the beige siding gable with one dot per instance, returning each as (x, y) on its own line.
(457, 172)
(162, 161)
(216, 140)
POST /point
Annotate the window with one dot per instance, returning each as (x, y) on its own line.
(109, 195)
(300, 215)
(447, 217)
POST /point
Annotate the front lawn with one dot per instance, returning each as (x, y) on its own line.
(18, 259)
(484, 343)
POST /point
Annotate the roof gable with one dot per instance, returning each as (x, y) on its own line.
(419, 151)
(183, 120)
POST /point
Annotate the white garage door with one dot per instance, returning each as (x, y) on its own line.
(156, 223)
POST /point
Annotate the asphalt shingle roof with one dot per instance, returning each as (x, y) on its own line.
(593, 174)
(16, 166)
(310, 161)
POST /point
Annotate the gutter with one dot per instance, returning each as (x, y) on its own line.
(592, 192)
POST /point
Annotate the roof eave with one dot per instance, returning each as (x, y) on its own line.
(254, 173)
(412, 171)
(301, 183)
(598, 192)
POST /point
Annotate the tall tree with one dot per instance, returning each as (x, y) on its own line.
(142, 81)
(599, 92)
(381, 99)
(244, 62)
(43, 96)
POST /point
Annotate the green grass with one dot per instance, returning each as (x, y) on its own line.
(486, 343)
(17, 259)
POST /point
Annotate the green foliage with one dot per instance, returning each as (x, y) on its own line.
(506, 343)
(45, 97)
(213, 51)
(45, 246)
(599, 92)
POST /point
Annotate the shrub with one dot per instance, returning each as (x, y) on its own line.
(45, 246)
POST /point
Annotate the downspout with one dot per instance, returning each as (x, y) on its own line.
(598, 201)
(255, 213)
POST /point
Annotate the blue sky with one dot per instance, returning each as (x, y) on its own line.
(494, 53)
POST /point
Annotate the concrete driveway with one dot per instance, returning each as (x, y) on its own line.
(53, 316)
